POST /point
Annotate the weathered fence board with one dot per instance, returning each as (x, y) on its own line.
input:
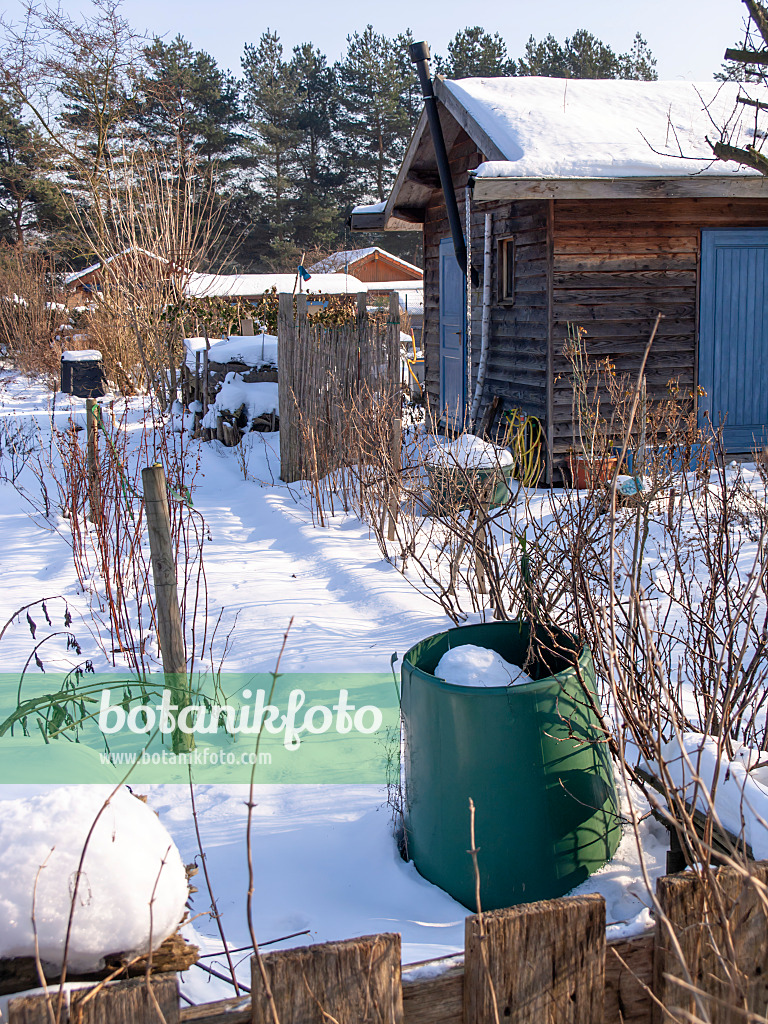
(437, 1000)
(713, 929)
(440, 1000)
(543, 962)
(126, 1002)
(352, 982)
(628, 980)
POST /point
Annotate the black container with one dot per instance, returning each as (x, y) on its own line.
(83, 377)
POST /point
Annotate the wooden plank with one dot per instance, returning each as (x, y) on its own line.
(624, 247)
(652, 297)
(545, 963)
(706, 920)
(603, 311)
(635, 279)
(628, 980)
(437, 1000)
(666, 214)
(597, 262)
(513, 189)
(351, 982)
(236, 1010)
(122, 1002)
(128, 1002)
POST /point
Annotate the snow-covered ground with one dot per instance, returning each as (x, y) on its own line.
(325, 859)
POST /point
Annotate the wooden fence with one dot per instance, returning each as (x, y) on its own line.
(541, 963)
(320, 368)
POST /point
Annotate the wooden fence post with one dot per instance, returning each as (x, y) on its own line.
(480, 538)
(125, 1002)
(545, 962)
(721, 927)
(206, 430)
(347, 982)
(167, 613)
(286, 347)
(393, 327)
(394, 491)
(92, 448)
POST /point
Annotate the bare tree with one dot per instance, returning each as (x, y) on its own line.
(752, 61)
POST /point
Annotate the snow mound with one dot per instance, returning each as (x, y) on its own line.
(470, 665)
(130, 856)
(259, 399)
(254, 350)
(741, 793)
(470, 452)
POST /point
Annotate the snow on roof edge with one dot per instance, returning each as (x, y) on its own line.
(609, 128)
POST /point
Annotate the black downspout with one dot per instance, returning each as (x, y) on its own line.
(420, 56)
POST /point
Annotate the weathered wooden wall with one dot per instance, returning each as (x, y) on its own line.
(616, 264)
(607, 265)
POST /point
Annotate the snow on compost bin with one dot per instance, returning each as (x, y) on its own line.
(131, 863)
(468, 470)
(470, 665)
(470, 452)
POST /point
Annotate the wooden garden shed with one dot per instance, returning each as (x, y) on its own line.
(371, 264)
(606, 208)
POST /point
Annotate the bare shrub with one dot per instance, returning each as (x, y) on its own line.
(31, 311)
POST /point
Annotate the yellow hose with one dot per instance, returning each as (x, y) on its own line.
(523, 437)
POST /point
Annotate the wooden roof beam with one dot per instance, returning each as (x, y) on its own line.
(728, 186)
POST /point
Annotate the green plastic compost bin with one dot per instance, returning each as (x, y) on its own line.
(531, 756)
(452, 486)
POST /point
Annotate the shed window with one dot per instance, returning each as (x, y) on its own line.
(507, 270)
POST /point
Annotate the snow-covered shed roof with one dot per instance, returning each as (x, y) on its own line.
(203, 286)
(544, 137)
(339, 260)
(76, 275)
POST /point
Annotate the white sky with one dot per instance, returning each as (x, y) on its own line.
(688, 37)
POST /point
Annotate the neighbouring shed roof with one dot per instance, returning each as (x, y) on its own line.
(76, 275)
(338, 260)
(202, 286)
(550, 136)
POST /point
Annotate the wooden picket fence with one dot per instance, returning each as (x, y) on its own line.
(320, 368)
(541, 963)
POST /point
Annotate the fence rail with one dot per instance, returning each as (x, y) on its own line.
(540, 963)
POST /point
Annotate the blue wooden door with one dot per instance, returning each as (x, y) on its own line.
(453, 333)
(733, 334)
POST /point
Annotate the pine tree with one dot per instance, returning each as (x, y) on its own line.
(475, 53)
(411, 99)
(29, 200)
(585, 56)
(639, 63)
(317, 220)
(187, 106)
(271, 102)
(373, 122)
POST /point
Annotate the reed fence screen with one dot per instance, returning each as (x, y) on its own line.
(324, 372)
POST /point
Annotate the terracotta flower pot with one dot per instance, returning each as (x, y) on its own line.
(587, 473)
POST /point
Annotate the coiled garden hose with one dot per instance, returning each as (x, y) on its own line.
(523, 436)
